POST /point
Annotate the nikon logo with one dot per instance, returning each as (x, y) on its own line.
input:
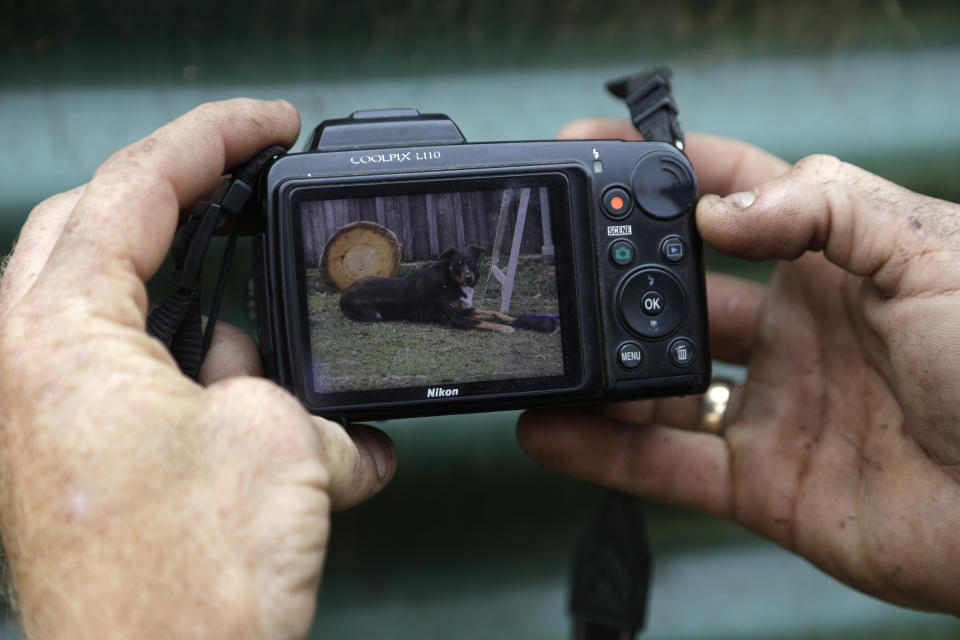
(440, 392)
(384, 158)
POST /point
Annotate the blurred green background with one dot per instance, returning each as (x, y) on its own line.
(472, 540)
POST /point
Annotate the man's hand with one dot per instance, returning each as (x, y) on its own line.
(844, 443)
(136, 503)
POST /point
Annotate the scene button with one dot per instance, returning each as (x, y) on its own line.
(622, 253)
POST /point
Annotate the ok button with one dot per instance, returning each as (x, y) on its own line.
(652, 303)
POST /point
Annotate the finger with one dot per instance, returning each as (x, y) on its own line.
(350, 465)
(675, 412)
(37, 237)
(723, 165)
(657, 463)
(360, 460)
(232, 353)
(600, 129)
(126, 218)
(824, 204)
(733, 306)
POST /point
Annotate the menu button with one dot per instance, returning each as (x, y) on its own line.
(630, 356)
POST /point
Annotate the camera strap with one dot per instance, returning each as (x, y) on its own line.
(612, 564)
(177, 320)
(652, 108)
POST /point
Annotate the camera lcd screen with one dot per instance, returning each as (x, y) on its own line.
(436, 289)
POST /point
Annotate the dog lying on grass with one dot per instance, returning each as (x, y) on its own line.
(442, 294)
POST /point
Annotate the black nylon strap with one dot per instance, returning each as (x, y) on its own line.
(173, 322)
(652, 109)
(611, 572)
(177, 320)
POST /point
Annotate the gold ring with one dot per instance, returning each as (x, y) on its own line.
(715, 402)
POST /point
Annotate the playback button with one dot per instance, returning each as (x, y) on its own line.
(673, 249)
(630, 355)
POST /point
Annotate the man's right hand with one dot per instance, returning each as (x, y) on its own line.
(844, 443)
(136, 503)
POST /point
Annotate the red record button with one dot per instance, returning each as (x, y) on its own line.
(616, 202)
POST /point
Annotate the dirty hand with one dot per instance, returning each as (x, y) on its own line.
(843, 445)
(136, 503)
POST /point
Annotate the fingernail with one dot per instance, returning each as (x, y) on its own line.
(741, 200)
(382, 451)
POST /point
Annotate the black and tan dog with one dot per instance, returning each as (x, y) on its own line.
(442, 293)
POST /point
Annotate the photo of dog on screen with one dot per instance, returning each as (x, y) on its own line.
(471, 295)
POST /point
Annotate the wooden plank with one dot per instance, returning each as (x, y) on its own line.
(391, 219)
(432, 230)
(445, 237)
(547, 251)
(498, 240)
(406, 226)
(339, 214)
(492, 204)
(477, 233)
(457, 213)
(515, 249)
(381, 211)
(311, 252)
(329, 219)
(364, 209)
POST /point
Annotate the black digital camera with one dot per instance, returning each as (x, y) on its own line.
(403, 271)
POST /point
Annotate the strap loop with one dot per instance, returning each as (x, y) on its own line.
(198, 245)
(177, 320)
(652, 108)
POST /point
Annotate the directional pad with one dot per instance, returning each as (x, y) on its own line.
(652, 303)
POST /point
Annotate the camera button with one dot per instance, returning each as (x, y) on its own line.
(682, 352)
(630, 355)
(673, 249)
(622, 253)
(616, 202)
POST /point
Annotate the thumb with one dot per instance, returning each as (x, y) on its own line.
(859, 220)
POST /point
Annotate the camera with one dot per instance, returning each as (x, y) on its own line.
(401, 270)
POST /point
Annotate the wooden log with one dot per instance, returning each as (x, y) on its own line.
(360, 249)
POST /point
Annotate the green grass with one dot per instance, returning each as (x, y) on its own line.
(350, 355)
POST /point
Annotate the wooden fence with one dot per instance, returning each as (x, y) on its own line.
(428, 224)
